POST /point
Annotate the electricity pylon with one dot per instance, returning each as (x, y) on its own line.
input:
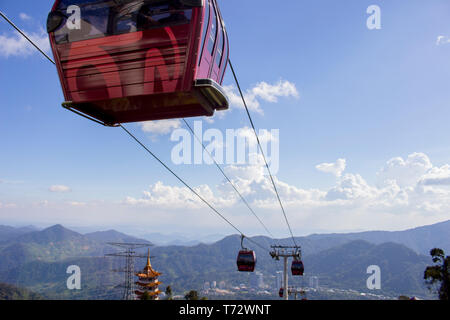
(129, 254)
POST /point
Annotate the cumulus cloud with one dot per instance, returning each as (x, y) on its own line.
(262, 91)
(351, 203)
(161, 127)
(265, 136)
(336, 168)
(24, 16)
(15, 44)
(173, 197)
(405, 172)
(77, 204)
(8, 205)
(436, 176)
(441, 40)
(59, 189)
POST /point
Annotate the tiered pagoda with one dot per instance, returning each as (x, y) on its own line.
(147, 284)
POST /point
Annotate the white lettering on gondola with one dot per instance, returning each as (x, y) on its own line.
(74, 20)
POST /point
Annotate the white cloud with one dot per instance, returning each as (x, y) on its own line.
(262, 91)
(406, 172)
(265, 136)
(336, 168)
(16, 45)
(77, 204)
(351, 204)
(441, 40)
(270, 93)
(172, 197)
(59, 189)
(161, 127)
(8, 205)
(436, 176)
(24, 16)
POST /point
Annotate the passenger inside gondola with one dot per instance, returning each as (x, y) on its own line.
(177, 15)
(145, 19)
(150, 16)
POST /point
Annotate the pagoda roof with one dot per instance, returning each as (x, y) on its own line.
(148, 271)
(148, 285)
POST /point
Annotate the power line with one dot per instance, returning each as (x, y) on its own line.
(26, 37)
(262, 151)
(229, 180)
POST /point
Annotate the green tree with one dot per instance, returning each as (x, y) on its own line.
(169, 293)
(439, 274)
(146, 296)
(192, 295)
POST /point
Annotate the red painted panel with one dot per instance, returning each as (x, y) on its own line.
(154, 58)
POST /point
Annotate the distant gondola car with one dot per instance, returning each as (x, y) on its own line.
(137, 60)
(246, 261)
(297, 268)
(281, 292)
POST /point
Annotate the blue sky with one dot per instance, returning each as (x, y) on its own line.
(376, 99)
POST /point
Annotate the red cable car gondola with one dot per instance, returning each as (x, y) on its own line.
(137, 60)
(297, 268)
(246, 260)
(281, 292)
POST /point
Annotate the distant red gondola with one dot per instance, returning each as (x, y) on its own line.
(246, 261)
(297, 268)
(138, 60)
(281, 292)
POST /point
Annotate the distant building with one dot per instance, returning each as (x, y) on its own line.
(147, 284)
(279, 277)
(257, 280)
(314, 282)
(222, 285)
(206, 286)
(213, 285)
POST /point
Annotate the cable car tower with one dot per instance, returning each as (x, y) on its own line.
(130, 255)
(286, 252)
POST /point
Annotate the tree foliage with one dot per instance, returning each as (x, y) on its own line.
(169, 293)
(191, 295)
(439, 274)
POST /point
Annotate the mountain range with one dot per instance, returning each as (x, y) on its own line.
(37, 260)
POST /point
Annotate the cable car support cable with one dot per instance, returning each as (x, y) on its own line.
(190, 188)
(262, 152)
(148, 150)
(26, 37)
(229, 180)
